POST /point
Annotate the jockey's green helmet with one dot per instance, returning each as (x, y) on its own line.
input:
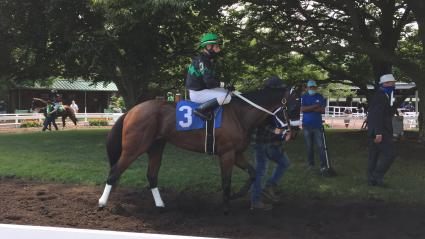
(209, 39)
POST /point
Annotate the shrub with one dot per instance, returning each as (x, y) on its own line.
(98, 122)
(31, 123)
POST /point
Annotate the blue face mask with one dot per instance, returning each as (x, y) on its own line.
(311, 92)
(388, 89)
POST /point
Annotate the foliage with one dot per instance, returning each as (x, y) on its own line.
(337, 90)
(98, 122)
(117, 102)
(30, 123)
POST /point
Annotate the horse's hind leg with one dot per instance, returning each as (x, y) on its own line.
(133, 146)
(243, 164)
(155, 156)
(227, 161)
(126, 158)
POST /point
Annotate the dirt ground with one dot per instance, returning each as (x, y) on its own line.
(47, 204)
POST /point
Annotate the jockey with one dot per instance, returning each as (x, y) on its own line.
(201, 79)
(58, 103)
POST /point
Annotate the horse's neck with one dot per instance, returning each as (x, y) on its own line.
(251, 117)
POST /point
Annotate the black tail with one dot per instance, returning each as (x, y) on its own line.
(113, 142)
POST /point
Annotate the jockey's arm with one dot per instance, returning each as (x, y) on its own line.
(208, 75)
(210, 80)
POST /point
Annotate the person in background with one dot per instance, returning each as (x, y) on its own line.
(58, 105)
(313, 106)
(50, 115)
(170, 97)
(74, 106)
(380, 131)
(268, 144)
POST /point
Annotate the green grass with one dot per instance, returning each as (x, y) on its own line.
(78, 156)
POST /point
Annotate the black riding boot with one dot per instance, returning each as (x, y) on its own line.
(202, 110)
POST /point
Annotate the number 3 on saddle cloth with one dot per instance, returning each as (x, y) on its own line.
(187, 120)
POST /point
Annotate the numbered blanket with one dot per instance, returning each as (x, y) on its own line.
(187, 120)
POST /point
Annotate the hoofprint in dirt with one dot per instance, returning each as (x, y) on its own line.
(47, 204)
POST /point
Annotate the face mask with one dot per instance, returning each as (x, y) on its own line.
(311, 92)
(388, 89)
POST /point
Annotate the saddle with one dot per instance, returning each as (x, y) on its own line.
(187, 120)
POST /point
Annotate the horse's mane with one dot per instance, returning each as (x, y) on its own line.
(262, 97)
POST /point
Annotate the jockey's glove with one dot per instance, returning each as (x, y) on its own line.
(230, 87)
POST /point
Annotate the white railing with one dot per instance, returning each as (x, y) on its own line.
(340, 111)
(16, 119)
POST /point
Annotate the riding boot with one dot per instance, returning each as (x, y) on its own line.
(202, 110)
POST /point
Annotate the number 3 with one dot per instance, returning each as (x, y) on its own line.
(187, 115)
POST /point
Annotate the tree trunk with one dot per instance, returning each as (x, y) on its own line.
(421, 110)
(418, 8)
(127, 90)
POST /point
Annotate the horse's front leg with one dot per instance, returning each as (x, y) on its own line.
(243, 164)
(227, 160)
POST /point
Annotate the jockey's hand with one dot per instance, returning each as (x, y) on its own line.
(230, 87)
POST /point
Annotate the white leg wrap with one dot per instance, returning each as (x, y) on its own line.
(157, 197)
(105, 195)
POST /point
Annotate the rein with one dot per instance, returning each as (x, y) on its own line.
(238, 94)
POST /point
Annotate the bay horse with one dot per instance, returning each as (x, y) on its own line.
(148, 126)
(38, 104)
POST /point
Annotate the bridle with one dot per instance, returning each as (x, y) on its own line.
(284, 108)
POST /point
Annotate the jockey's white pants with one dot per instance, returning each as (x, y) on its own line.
(223, 96)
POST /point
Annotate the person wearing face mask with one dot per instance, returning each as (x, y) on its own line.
(201, 80)
(313, 106)
(380, 131)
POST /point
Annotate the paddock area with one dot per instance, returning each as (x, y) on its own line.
(51, 187)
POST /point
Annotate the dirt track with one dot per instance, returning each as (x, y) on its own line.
(36, 203)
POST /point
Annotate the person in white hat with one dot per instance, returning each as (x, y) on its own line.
(380, 131)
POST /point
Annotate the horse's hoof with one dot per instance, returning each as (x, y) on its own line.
(100, 208)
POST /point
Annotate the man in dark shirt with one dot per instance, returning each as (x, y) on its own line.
(268, 144)
(380, 131)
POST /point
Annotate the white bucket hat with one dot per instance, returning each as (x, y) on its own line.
(386, 78)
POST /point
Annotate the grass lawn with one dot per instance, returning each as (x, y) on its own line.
(79, 156)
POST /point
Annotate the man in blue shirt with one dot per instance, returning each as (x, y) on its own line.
(312, 106)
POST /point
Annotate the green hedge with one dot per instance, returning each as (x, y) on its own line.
(28, 124)
(98, 122)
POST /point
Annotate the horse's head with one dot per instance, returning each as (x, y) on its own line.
(37, 104)
(289, 112)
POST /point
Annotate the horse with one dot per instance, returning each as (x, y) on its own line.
(148, 126)
(38, 105)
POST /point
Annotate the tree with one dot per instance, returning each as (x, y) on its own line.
(336, 34)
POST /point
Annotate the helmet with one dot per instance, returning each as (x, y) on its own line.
(209, 39)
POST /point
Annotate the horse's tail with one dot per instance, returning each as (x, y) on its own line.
(114, 143)
(73, 115)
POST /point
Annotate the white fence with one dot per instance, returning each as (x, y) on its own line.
(332, 115)
(340, 111)
(15, 120)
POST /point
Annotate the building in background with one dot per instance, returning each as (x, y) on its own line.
(91, 98)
